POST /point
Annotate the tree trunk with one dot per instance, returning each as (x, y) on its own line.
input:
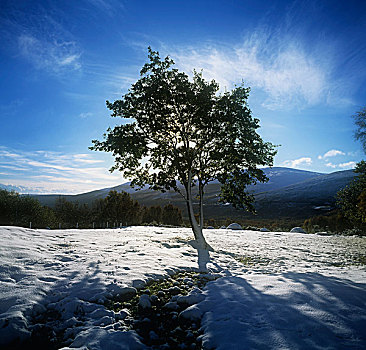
(200, 242)
(200, 188)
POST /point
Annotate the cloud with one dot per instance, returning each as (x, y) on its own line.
(288, 74)
(110, 7)
(85, 115)
(39, 34)
(297, 162)
(52, 55)
(56, 172)
(350, 165)
(331, 153)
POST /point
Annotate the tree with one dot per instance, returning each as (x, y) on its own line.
(152, 214)
(360, 121)
(171, 215)
(119, 207)
(352, 199)
(20, 210)
(184, 133)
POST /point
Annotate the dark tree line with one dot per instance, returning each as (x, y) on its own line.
(117, 209)
(21, 210)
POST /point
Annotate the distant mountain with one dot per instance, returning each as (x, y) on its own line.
(278, 177)
(288, 193)
(21, 189)
(305, 198)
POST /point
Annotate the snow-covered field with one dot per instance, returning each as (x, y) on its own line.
(274, 291)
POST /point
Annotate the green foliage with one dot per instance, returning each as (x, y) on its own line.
(171, 215)
(183, 130)
(20, 210)
(121, 208)
(117, 208)
(360, 121)
(352, 199)
(333, 222)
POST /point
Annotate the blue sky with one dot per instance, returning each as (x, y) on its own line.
(60, 61)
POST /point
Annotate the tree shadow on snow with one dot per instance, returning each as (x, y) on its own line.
(301, 311)
(63, 308)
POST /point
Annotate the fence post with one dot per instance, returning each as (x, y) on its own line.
(107, 224)
(93, 225)
(77, 225)
(30, 224)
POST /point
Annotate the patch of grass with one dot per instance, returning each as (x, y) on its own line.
(246, 260)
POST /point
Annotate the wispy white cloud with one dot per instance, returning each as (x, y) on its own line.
(40, 35)
(85, 115)
(111, 7)
(52, 55)
(348, 165)
(55, 172)
(288, 74)
(297, 162)
(331, 153)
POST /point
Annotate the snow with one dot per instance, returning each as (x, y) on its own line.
(265, 290)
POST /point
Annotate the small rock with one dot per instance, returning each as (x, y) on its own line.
(264, 229)
(138, 284)
(161, 294)
(174, 290)
(127, 293)
(153, 335)
(121, 315)
(297, 230)
(190, 299)
(189, 335)
(144, 301)
(193, 313)
(172, 305)
(154, 299)
(234, 226)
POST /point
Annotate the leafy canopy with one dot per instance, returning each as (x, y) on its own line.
(177, 129)
(352, 199)
(360, 121)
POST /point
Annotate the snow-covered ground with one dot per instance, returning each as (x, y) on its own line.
(274, 291)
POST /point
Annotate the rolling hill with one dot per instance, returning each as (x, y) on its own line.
(288, 193)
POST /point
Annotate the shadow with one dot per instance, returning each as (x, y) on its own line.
(294, 311)
(64, 310)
